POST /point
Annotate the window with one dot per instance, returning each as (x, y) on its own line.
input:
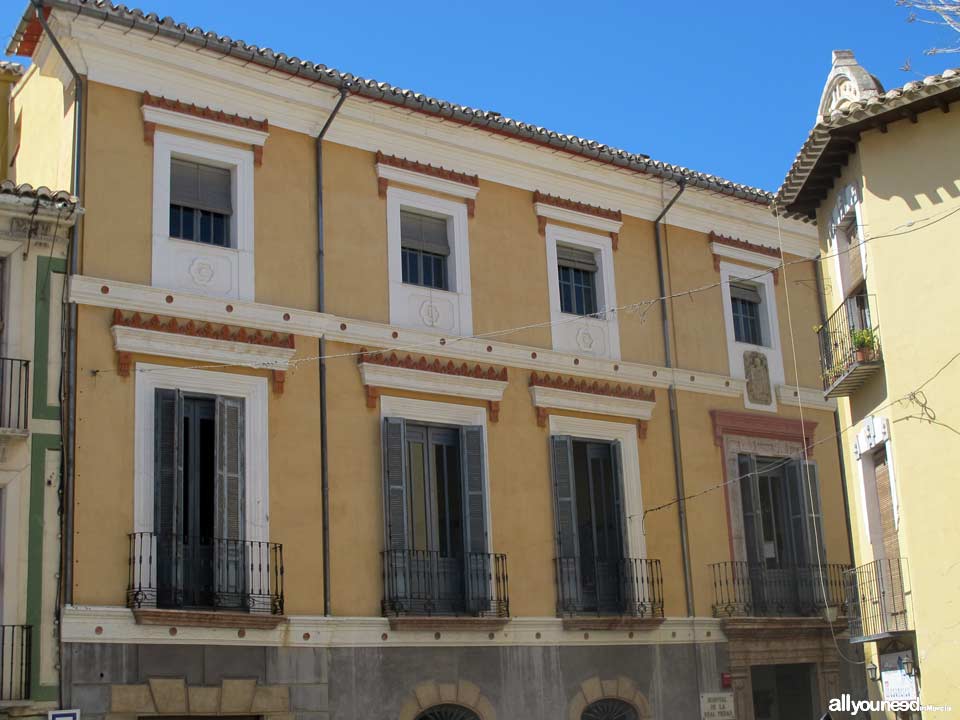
(436, 559)
(577, 270)
(424, 249)
(745, 303)
(609, 709)
(200, 202)
(448, 711)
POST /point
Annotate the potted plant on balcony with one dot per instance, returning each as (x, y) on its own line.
(864, 344)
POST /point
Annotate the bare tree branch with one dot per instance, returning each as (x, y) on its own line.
(944, 13)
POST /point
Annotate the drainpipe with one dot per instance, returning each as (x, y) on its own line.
(321, 307)
(836, 419)
(68, 353)
(672, 397)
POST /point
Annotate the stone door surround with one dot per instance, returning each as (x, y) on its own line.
(173, 696)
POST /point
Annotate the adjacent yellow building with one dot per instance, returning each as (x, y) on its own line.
(877, 173)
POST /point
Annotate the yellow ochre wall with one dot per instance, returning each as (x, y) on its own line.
(509, 278)
(43, 112)
(910, 204)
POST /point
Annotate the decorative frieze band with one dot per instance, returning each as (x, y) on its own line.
(430, 177)
(437, 376)
(551, 207)
(728, 248)
(731, 422)
(204, 120)
(172, 337)
(599, 398)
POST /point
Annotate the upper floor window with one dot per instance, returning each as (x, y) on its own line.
(745, 302)
(200, 202)
(577, 271)
(424, 249)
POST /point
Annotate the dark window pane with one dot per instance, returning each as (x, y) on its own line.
(206, 227)
(174, 221)
(578, 293)
(746, 321)
(186, 223)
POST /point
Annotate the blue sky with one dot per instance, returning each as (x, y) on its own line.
(725, 88)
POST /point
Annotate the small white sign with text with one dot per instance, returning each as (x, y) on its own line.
(717, 706)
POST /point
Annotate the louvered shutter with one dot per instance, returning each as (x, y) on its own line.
(630, 583)
(200, 186)
(168, 494)
(475, 519)
(565, 512)
(396, 566)
(229, 548)
(424, 232)
(814, 521)
(750, 502)
(579, 258)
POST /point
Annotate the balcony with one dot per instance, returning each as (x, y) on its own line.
(741, 589)
(14, 396)
(15, 650)
(850, 351)
(594, 593)
(204, 575)
(423, 584)
(879, 597)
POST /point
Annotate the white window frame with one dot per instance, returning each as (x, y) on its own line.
(182, 264)
(769, 327)
(12, 250)
(626, 433)
(252, 389)
(441, 413)
(593, 336)
(447, 311)
(874, 433)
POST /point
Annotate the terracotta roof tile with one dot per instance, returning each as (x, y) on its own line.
(42, 194)
(26, 37)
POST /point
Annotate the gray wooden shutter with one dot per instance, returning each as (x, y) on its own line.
(477, 566)
(565, 512)
(750, 502)
(578, 258)
(229, 547)
(424, 232)
(631, 591)
(168, 493)
(814, 521)
(396, 562)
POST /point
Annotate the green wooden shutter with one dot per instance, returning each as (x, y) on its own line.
(229, 547)
(168, 493)
(477, 566)
(565, 513)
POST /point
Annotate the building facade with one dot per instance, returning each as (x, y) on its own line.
(390, 408)
(877, 174)
(35, 224)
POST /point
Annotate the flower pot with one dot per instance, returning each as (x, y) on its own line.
(864, 355)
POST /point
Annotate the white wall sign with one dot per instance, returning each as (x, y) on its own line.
(897, 685)
(63, 715)
(717, 706)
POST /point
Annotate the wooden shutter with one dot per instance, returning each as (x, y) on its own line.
(229, 548)
(565, 513)
(395, 483)
(816, 548)
(630, 582)
(475, 517)
(888, 526)
(477, 566)
(578, 258)
(168, 493)
(750, 502)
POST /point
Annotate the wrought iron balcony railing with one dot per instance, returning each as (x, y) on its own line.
(627, 586)
(14, 393)
(742, 589)
(423, 582)
(200, 573)
(15, 650)
(850, 350)
(879, 597)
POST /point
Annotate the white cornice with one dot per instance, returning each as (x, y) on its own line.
(429, 182)
(741, 255)
(557, 399)
(189, 347)
(808, 397)
(112, 624)
(204, 126)
(118, 58)
(149, 300)
(577, 218)
(384, 376)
